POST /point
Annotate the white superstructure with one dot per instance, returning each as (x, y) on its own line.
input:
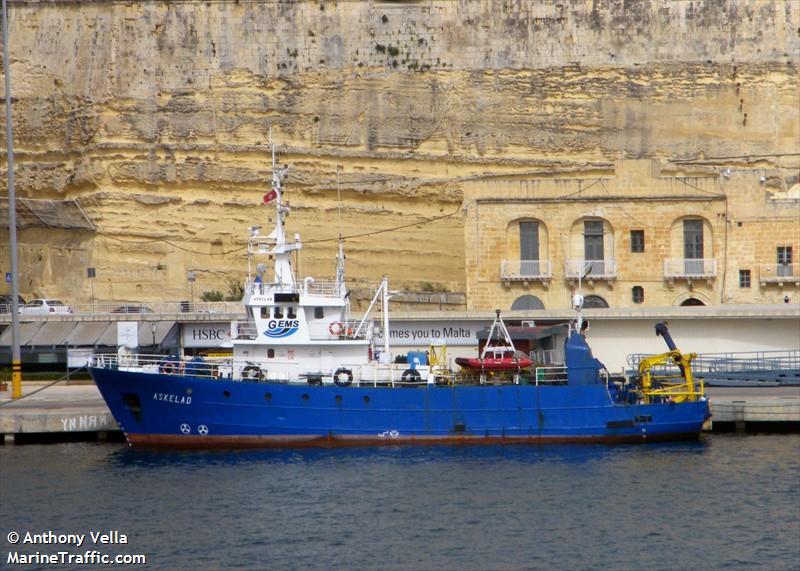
(300, 329)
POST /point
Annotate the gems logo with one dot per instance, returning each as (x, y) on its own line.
(278, 328)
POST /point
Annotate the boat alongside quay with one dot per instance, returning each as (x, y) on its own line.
(305, 373)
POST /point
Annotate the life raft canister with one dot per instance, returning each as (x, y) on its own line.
(343, 377)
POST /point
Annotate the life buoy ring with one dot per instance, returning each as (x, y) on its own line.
(252, 373)
(335, 328)
(343, 377)
(168, 368)
(411, 376)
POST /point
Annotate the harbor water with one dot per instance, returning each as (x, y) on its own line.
(726, 502)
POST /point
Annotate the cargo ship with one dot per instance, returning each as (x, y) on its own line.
(304, 372)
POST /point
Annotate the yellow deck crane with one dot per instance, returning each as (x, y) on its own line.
(659, 381)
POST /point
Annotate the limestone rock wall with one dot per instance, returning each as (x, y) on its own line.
(155, 116)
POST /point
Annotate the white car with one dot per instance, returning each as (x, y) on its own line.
(44, 307)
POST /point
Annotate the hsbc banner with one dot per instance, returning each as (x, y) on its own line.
(207, 334)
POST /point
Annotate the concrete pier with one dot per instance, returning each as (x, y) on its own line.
(59, 412)
(748, 409)
(68, 412)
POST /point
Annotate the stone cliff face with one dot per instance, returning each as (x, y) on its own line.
(153, 118)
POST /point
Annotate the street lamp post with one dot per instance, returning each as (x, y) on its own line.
(16, 360)
(190, 277)
(91, 273)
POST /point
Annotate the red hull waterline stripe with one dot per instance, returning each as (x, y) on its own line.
(314, 441)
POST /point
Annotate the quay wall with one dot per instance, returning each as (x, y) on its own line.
(141, 128)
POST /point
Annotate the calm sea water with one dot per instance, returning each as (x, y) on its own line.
(726, 502)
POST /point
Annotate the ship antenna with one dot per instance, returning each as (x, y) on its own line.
(339, 203)
(340, 255)
(281, 250)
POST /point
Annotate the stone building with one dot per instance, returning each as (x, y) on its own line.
(633, 235)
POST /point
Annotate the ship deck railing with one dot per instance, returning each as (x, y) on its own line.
(364, 375)
(319, 288)
(550, 374)
(208, 367)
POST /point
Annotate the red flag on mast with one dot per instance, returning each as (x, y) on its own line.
(270, 196)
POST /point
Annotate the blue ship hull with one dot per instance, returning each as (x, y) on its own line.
(189, 412)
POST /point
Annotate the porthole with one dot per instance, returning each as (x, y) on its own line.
(267, 396)
(366, 400)
(189, 390)
(338, 399)
(305, 396)
(226, 393)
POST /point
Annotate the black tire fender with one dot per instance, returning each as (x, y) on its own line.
(411, 376)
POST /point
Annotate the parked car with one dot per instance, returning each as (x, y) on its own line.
(5, 302)
(44, 307)
(132, 309)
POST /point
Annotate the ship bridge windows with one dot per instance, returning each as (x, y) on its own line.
(291, 313)
(278, 312)
(265, 313)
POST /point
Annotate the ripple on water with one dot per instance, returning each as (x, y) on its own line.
(726, 502)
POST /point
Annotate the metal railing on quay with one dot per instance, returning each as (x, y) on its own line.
(731, 362)
(136, 309)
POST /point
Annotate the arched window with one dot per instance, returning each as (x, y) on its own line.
(594, 302)
(527, 302)
(690, 301)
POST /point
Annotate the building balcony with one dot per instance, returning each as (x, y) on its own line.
(690, 269)
(591, 269)
(525, 270)
(779, 273)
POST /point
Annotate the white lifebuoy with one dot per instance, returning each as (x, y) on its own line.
(252, 373)
(335, 328)
(343, 377)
